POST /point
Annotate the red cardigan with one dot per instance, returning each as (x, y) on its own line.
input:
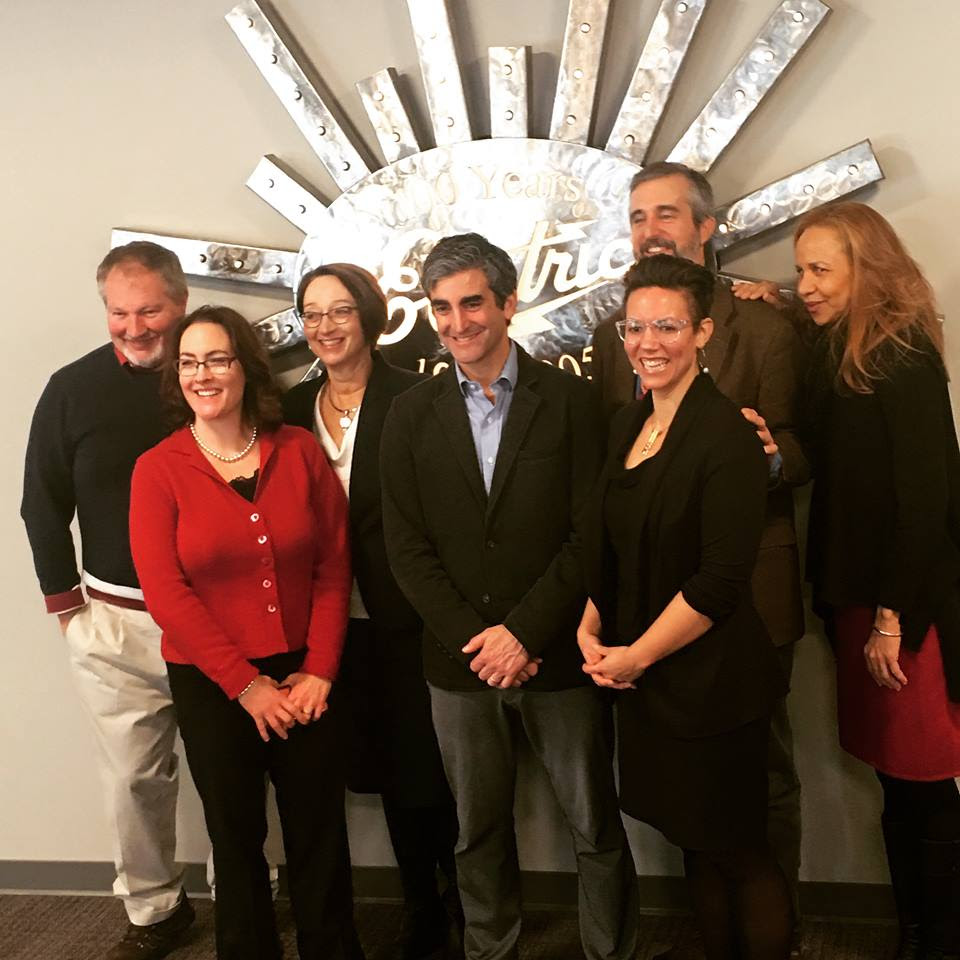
(229, 580)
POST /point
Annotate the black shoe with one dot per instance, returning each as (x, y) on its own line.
(939, 918)
(423, 935)
(910, 946)
(155, 940)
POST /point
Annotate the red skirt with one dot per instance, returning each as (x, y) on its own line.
(911, 734)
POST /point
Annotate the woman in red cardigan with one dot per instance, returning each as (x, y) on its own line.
(239, 534)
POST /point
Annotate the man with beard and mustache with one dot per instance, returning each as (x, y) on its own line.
(757, 360)
(94, 418)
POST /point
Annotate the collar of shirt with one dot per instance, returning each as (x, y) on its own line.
(508, 376)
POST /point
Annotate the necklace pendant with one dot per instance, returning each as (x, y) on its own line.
(345, 422)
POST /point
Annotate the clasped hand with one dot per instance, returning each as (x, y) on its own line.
(501, 659)
(301, 698)
(612, 667)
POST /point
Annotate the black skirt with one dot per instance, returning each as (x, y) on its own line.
(704, 794)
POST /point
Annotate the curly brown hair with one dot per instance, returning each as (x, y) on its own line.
(892, 310)
(261, 396)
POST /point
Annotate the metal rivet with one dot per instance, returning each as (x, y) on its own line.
(646, 96)
(203, 258)
(723, 228)
(739, 94)
(681, 8)
(249, 21)
(853, 169)
(571, 120)
(769, 56)
(297, 95)
(302, 208)
(237, 264)
(322, 131)
(278, 267)
(271, 184)
(274, 58)
(451, 122)
(346, 165)
(507, 69)
(377, 95)
(711, 131)
(508, 115)
(433, 36)
(808, 189)
(797, 16)
(765, 208)
(396, 137)
(578, 74)
(584, 27)
(288, 328)
(629, 139)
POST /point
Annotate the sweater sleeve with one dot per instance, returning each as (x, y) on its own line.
(49, 502)
(185, 620)
(915, 406)
(331, 571)
(732, 505)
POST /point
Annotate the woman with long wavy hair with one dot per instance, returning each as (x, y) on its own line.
(884, 547)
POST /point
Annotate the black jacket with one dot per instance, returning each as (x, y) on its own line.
(701, 514)
(885, 513)
(467, 560)
(382, 597)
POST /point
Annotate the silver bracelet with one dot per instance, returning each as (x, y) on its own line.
(248, 686)
(884, 633)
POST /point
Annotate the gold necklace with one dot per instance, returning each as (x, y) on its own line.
(650, 441)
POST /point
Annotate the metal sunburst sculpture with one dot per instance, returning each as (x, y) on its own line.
(558, 205)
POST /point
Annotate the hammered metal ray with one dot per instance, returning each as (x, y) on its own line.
(388, 115)
(508, 91)
(781, 39)
(279, 331)
(829, 179)
(291, 196)
(269, 51)
(222, 261)
(654, 78)
(441, 71)
(579, 70)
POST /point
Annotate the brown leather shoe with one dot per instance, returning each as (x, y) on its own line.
(155, 940)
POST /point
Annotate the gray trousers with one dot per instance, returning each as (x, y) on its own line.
(570, 732)
(783, 803)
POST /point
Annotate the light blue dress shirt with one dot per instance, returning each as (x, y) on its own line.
(486, 418)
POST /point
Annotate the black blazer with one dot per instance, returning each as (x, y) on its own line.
(467, 560)
(386, 604)
(702, 514)
(885, 512)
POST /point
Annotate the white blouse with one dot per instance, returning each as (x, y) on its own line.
(341, 459)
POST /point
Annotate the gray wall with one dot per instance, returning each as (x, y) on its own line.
(150, 116)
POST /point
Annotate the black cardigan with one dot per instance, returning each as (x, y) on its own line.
(387, 606)
(703, 515)
(885, 513)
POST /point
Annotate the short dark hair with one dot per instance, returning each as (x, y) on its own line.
(365, 290)
(701, 193)
(470, 251)
(673, 273)
(261, 396)
(151, 256)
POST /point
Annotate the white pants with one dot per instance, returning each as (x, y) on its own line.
(122, 681)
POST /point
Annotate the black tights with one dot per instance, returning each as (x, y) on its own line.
(931, 808)
(741, 902)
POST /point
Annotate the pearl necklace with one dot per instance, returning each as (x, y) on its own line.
(347, 415)
(220, 456)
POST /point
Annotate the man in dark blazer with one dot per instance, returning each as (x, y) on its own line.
(757, 360)
(485, 469)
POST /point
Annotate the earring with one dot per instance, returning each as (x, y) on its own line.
(702, 360)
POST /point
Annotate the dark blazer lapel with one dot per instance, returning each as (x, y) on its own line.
(452, 413)
(522, 408)
(364, 469)
(721, 347)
